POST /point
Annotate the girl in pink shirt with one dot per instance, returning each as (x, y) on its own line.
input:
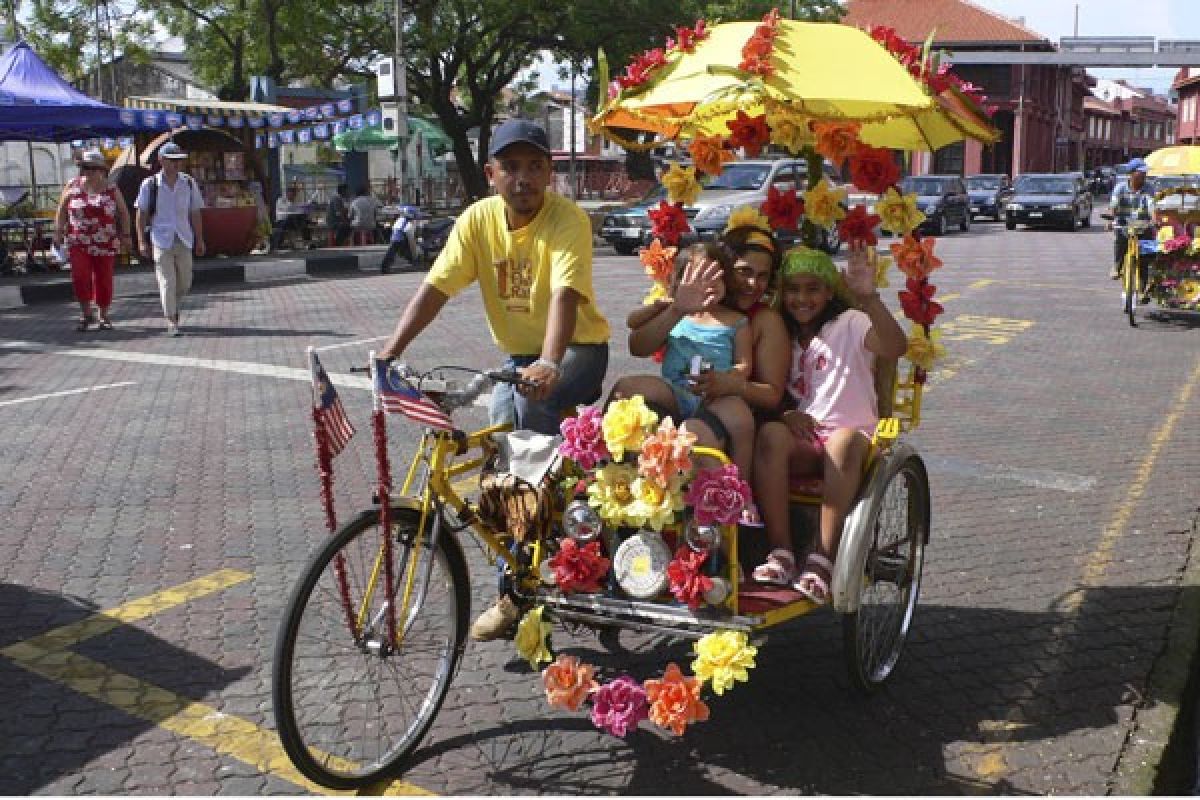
(827, 431)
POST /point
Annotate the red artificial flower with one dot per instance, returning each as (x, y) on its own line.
(749, 132)
(689, 37)
(578, 569)
(873, 169)
(669, 222)
(757, 46)
(859, 226)
(783, 209)
(918, 303)
(688, 581)
(639, 71)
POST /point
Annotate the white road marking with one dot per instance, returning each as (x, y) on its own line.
(1040, 478)
(349, 344)
(65, 393)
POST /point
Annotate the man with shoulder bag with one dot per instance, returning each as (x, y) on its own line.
(169, 229)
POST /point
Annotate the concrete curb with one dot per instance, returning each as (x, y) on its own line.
(206, 273)
(1155, 751)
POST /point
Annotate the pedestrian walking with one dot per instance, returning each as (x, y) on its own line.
(403, 240)
(170, 230)
(93, 223)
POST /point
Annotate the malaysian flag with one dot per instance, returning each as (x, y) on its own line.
(328, 412)
(398, 397)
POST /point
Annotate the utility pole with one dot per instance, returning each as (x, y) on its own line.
(574, 179)
(400, 77)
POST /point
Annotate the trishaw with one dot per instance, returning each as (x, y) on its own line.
(1164, 270)
(376, 626)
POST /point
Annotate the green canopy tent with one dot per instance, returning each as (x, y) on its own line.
(373, 137)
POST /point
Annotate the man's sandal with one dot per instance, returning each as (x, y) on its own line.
(778, 569)
(813, 582)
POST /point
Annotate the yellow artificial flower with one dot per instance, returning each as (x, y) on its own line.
(898, 213)
(748, 215)
(654, 505)
(788, 129)
(882, 265)
(723, 658)
(681, 184)
(532, 635)
(626, 423)
(823, 204)
(657, 292)
(1188, 291)
(611, 494)
(924, 351)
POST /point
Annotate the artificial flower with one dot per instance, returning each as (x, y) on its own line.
(657, 292)
(718, 495)
(837, 141)
(681, 184)
(916, 300)
(859, 226)
(873, 169)
(578, 568)
(709, 154)
(675, 700)
(611, 494)
(915, 258)
(654, 506)
(686, 578)
(747, 216)
(583, 437)
(669, 222)
(924, 350)
(750, 133)
(568, 682)
(1189, 291)
(639, 71)
(689, 37)
(619, 705)
(532, 633)
(898, 213)
(783, 209)
(1175, 243)
(722, 658)
(788, 129)
(626, 423)
(823, 203)
(666, 453)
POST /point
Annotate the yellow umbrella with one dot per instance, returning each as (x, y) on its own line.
(1178, 160)
(820, 71)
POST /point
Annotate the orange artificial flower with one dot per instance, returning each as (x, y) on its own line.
(749, 132)
(568, 682)
(837, 141)
(659, 262)
(915, 258)
(675, 700)
(709, 154)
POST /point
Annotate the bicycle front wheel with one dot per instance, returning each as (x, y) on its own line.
(352, 702)
(1132, 284)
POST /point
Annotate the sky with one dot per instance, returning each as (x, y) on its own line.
(1163, 19)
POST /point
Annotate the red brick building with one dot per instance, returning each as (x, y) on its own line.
(1124, 122)
(1039, 107)
(1187, 84)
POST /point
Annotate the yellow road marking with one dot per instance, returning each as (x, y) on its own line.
(1067, 287)
(993, 330)
(49, 656)
(948, 297)
(982, 283)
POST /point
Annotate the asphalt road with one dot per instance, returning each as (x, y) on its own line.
(160, 499)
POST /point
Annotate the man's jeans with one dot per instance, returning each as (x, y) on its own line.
(582, 379)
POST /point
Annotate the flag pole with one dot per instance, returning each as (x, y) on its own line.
(384, 470)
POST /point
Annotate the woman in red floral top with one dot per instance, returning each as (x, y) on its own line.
(94, 223)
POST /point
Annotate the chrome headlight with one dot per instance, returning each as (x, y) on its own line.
(1062, 207)
(701, 537)
(714, 212)
(1015, 207)
(581, 522)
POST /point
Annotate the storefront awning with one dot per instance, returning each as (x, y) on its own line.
(206, 107)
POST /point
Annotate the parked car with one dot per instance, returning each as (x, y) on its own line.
(628, 228)
(989, 194)
(943, 199)
(1054, 199)
(744, 183)
(1175, 202)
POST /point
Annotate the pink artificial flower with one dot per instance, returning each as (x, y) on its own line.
(618, 706)
(583, 438)
(666, 453)
(718, 495)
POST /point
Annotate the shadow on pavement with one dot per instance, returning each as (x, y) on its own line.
(48, 730)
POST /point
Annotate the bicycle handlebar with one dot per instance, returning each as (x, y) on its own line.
(450, 396)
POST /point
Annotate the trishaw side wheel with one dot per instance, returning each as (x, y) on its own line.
(890, 583)
(351, 703)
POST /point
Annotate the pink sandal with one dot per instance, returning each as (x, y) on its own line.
(778, 569)
(813, 582)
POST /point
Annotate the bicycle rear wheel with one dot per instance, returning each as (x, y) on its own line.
(1132, 287)
(351, 706)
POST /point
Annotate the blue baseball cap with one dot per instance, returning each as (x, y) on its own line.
(1137, 165)
(171, 150)
(513, 131)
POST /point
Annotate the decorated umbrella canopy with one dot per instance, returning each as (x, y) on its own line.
(802, 71)
(1178, 160)
(373, 137)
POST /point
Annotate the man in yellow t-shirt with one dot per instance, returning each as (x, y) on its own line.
(530, 251)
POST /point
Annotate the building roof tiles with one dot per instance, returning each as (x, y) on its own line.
(958, 21)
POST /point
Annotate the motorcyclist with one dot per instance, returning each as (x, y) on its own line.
(1131, 200)
(403, 240)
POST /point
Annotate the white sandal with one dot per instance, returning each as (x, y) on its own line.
(812, 583)
(778, 570)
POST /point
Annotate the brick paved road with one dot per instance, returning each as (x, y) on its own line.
(1063, 453)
